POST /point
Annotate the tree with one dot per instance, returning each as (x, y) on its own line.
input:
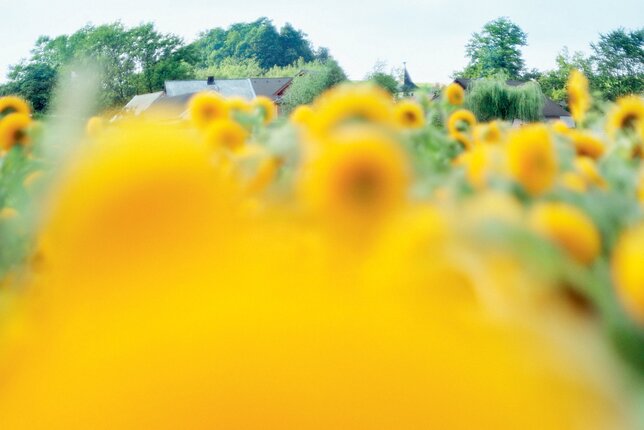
(134, 60)
(294, 46)
(380, 77)
(34, 82)
(493, 98)
(307, 87)
(259, 40)
(553, 82)
(496, 49)
(618, 59)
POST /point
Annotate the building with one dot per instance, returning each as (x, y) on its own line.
(173, 101)
(551, 110)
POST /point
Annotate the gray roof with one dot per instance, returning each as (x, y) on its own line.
(247, 88)
(141, 102)
(226, 87)
(268, 87)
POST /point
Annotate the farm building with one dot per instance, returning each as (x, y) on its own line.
(172, 102)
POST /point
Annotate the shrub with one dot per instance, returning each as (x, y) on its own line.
(492, 99)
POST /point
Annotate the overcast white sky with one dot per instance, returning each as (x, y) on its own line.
(429, 34)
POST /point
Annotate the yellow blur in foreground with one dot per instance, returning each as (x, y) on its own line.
(174, 292)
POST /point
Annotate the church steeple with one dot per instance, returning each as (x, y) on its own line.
(408, 85)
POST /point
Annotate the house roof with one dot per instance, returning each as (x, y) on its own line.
(141, 102)
(550, 108)
(226, 87)
(247, 88)
(269, 87)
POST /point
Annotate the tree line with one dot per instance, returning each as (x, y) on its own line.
(140, 59)
(614, 68)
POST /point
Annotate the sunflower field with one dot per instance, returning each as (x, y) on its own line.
(365, 263)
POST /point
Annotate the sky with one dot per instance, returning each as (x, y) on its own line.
(430, 35)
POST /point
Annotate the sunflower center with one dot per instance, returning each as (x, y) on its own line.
(8, 110)
(629, 121)
(364, 186)
(410, 117)
(19, 135)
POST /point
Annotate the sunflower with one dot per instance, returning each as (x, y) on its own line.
(409, 114)
(489, 133)
(266, 108)
(302, 115)
(569, 228)
(587, 169)
(94, 126)
(266, 173)
(349, 104)
(358, 173)
(627, 263)
(627, 115)
(573, 181)
(531, 157)
(13, 130)
(561, 127)
(238, 104)
(578, 95)
(13, 104)
(476, 166)
(226, 133)
(206, 107)
(454, 94)
(457, 120)
(586, 144)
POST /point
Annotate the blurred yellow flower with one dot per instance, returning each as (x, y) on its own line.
(578, 95)
(238, 104)
(457, 121)
(13, 104)
(476, 166)
(302, 115)
(351, 104)
(532, 160)
(454, 94)
(574, 182)
(569, 228)
(561, 127)
(409, 114)
(587, 144)
(487, 133)
(206, 107)
(587, 169)
(266, 108)
(627, 264)
(627, 115)
(94, 126)
(14, 130)
(226, 133)
(359, 172)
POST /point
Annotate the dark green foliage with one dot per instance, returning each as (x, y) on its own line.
(385, 81)
(553, 82)
(132, 61)
(491, 99)
(259, 40)
(496, 49)
(618, 59)
(33, 81)
(307, 87)
(380, 77)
